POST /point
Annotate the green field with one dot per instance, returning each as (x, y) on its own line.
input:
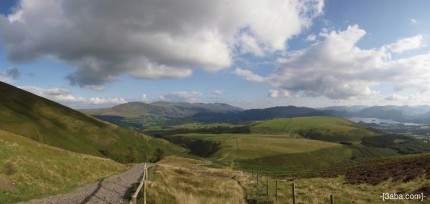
(275, 154)
(32, 170)
(287, 146)
(252, 146)
(317, 127)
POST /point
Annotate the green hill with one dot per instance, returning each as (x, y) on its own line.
(274, 154)
(30, 169)
(162, 109)
(317, 127)
(42, 120)
(284, 146)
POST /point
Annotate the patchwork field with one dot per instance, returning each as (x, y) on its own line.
(285, 146)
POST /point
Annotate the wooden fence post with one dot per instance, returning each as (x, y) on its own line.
(293, 186)
(144, 191)
(145, 186)
(331, 198)
(267, 184)
(257, 178)
(276, 191)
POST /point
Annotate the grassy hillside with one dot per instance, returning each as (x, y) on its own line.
(45, 121)
(32, 170)
(272, 154)
(175, 180)
(252, 146)
(188, 181)
(317, 127)
(287, 146)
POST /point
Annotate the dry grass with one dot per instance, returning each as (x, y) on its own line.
(180, 180)
(318, 190)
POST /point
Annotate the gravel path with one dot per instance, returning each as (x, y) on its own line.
(110, 190)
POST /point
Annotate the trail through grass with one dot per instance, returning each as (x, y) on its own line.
(32, 170)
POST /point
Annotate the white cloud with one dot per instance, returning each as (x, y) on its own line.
(413, 21)
(248, 75)
(395, 97)
(5, 79)
(273, 93)
(412, 99)
(277, 93)
(216, 93)
(144, 98)
(311, 38)
(46, 92)
(407, 44)
(105, 39)
(97, 100)
(250, 45)
(336, 68)
(182, 96)
(63, 95)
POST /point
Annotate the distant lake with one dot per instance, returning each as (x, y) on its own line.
(378, 121)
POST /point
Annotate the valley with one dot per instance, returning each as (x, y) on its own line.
(207, 102)
(61, 147)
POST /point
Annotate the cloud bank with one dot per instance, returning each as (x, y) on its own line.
(152, 39)
(338, 69)
(63, 95)
(182, 96)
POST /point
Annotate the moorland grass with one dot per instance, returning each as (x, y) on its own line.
(189, 181)
(181, 180)
(33, 170)
(45, 121)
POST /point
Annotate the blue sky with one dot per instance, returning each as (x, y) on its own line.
(253, 55)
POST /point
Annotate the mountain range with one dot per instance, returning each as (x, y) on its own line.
(143, 115)
(416, 114)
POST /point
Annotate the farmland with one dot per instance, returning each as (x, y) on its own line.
(282, 146)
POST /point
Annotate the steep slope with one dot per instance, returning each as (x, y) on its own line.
(45, 121)
(30, 169)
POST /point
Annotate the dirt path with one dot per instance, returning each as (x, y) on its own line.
(226, 155)
(109, 190)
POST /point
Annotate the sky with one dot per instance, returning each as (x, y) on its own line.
(251, 54)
